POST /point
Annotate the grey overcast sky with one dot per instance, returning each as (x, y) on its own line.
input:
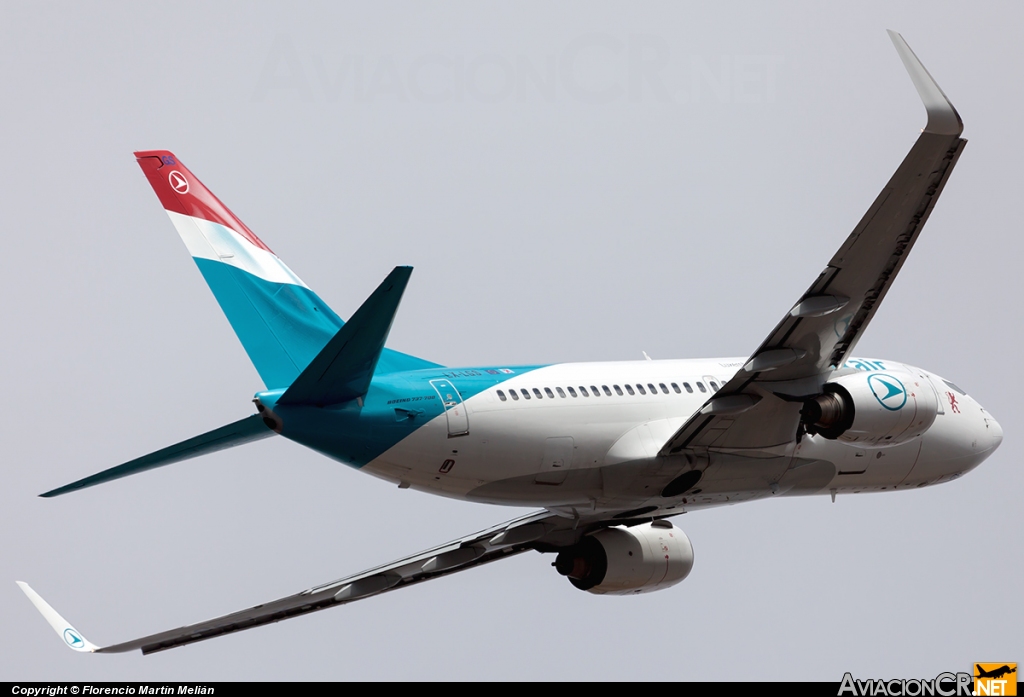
(572, 181)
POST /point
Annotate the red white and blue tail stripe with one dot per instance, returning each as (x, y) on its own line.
(281, 323)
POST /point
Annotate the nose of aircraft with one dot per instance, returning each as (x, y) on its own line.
(960, 440)
(995, 431)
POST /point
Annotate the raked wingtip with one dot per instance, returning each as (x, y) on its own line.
(943, 118)
(68, 634)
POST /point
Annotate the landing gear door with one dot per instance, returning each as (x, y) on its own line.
(454, 408)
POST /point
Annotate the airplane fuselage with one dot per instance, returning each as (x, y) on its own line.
(610, 450)
(584, 437)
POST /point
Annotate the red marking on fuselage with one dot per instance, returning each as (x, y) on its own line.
(953, 406)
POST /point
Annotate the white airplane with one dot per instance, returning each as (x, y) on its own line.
(610, 451)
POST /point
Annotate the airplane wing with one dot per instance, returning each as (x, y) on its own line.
(535, 530)
(760, 406)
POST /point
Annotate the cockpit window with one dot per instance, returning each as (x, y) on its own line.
(955, 388)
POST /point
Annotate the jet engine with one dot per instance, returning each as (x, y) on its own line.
(621, 561)
(874, 410)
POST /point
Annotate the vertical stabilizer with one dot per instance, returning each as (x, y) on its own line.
(281, 323)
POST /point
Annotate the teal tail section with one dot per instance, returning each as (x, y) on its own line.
(342, 371)
(283, 327)
(281, 323)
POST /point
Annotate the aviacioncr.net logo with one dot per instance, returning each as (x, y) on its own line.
(995, 679)
(889, 391)
(943, 685)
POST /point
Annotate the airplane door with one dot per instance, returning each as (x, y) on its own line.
(454, 408)
(557, 461)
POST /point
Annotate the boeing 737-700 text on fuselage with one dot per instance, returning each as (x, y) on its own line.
(609, 451)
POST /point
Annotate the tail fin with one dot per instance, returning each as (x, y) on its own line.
(281, 323)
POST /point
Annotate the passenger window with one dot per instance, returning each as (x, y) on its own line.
(714, 385)
(501, 396)
(560, 391)
(629, 389)
(700, 386)
(537, 393)
(651, 388)
(606, 390)
(515, 397)
(688, 388)
(640, 388)
(674, 387)
(526, 394)
(593, 391)
(572, 391)
(549, 393)
(618, 390)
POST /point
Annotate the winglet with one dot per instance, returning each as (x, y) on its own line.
(942, 117)
(68, 634)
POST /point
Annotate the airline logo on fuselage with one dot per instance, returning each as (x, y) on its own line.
(889, 391)
(178, 182)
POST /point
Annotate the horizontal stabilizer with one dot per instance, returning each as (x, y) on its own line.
(343, 369)
(247, 430)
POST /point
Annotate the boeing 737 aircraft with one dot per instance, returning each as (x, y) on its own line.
(608, 451)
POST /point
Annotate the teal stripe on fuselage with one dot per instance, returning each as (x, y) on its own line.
(282, 326)
(356, 435)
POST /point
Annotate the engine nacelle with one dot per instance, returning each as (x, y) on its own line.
(621, 561)
(874, 410)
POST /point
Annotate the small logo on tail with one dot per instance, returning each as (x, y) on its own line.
(178, 182)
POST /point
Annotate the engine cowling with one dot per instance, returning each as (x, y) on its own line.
(622, 561)
(874, 410)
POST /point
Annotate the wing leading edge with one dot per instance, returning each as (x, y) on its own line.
(497, 542)
(759, 407)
